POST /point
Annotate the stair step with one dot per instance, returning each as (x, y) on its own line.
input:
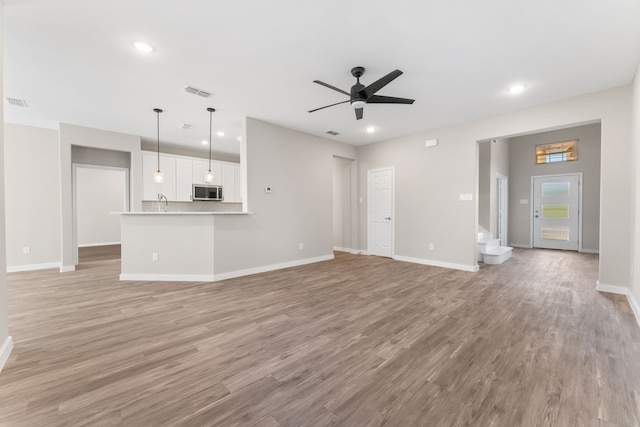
(486, 244)
(496, 255)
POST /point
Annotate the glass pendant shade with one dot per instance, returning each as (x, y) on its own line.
(158, 177)
(208, 178)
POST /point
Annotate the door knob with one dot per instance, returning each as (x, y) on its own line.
(389, 218)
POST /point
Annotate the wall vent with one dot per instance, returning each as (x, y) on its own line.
(185, 126)
(17, 102)
(332, 132)
(196, 91)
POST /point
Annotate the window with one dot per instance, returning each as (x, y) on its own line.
(564, 151)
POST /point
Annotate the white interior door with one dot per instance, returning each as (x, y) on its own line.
(380, 212)
(502, 201)
(556, 207)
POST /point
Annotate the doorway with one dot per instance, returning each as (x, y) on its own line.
(380, 189)
(556, 211)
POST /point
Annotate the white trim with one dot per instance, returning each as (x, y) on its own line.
(590, 251)
(517, 245)
(339, 249)
(92, 245)
(621, 290)
(67, 268)
(168, 277)
(5, 351)
(434, 263)
(635, 307)
(504, 224)
(32, 267)
(272, 267)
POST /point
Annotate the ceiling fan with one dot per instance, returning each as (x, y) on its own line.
(361, 94)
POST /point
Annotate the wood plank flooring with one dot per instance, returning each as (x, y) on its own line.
(358, 341)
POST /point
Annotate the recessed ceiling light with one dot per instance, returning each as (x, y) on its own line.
(371, 129)
(516, 89)
(220, 133)
(143, 47)
(205, 142)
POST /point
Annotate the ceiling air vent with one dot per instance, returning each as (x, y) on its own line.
(332, 132)
(17, 102)
(196, 91)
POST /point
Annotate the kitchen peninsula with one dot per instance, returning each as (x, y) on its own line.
(177, 246)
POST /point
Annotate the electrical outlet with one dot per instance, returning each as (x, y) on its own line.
(431, 247)
(301, 246)
(154, 256)
(26, 250)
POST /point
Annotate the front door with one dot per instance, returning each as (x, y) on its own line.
(380, 212)
(556, 203)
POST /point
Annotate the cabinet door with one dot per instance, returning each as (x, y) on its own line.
(184, 178)
(200, 168)
(228, 182)
(168, 167)
(149, 166)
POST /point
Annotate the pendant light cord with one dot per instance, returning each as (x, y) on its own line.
(158, 111)
(210, 132)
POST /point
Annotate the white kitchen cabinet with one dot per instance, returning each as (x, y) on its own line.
(184, 179)
(238, 190)
(151, 189)
(200, 169)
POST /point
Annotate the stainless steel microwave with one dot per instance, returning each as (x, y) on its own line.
(207, 192)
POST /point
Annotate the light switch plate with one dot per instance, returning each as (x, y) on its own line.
(465, 197)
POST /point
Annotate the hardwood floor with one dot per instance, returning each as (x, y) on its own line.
(358, 341)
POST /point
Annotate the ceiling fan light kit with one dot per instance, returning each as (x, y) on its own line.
(361, 94)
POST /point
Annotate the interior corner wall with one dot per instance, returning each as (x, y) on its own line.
(484, 184)
(430, 180)
(5, 339)
(71, 135)
(32, 222)
(342, 203)
(297, 167)
(523, 168)
(499, 165)
(635, 211)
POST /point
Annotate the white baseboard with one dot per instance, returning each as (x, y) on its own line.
(517, 245)
(272, 267)
(339, 249)
(32, 267)
(433, 263)
(67, 268)
(357, 252)
(5, 350)
(91, 245)
(589, 251)
(168, 277)
(621, 290)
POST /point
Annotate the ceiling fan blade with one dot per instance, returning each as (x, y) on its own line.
(359, 113)
(331, 87)
(377, 99)
(370, 90)
(327, 106)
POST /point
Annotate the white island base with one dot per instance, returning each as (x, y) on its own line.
(194, 246)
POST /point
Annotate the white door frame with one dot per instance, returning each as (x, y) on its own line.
(533, 202)
(74, 195)
(393, 206)
(502, 208)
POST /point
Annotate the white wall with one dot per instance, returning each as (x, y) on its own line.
(299, 169)
(71, 135)
(523, 167)
(429, 181)
(635, 211)
(99, 191)
(32, 197)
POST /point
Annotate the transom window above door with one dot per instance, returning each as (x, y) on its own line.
(556, 152)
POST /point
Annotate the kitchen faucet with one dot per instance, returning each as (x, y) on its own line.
(166, 202)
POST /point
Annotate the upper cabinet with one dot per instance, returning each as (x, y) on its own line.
(180, 173)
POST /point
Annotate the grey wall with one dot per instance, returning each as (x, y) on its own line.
(4, 311)
(32, 199)
(298, 167)
(484, 184)
(635, 211)
(523, 167)
(342, 198)
(100, 157)
(183, 151)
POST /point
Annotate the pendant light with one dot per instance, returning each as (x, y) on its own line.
(209, 177)
(158, 176)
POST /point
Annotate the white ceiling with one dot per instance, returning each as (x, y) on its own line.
(73, 61)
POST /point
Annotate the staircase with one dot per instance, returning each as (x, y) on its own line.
(489, 249)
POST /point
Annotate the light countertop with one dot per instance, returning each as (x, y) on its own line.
(181, 213)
